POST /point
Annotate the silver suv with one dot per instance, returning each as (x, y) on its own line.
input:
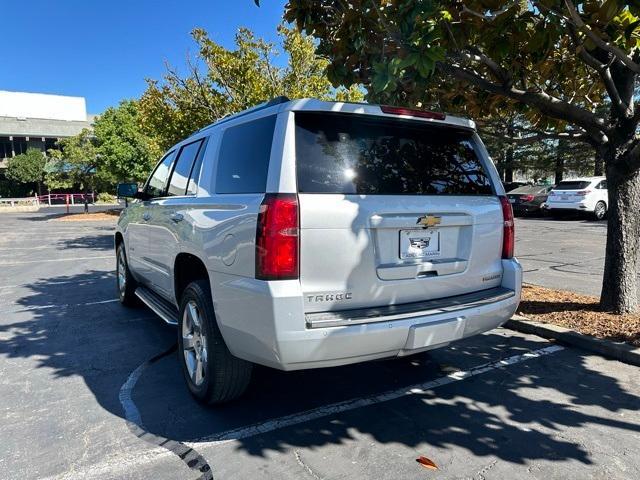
(304, 234)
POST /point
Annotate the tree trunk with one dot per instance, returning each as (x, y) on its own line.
(598, 169)
(559, 163)
(508, 165)
(620, 281)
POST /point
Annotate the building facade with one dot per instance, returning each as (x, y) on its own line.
(37, 120)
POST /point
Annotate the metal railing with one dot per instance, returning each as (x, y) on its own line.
(66, 198)
(13, 202)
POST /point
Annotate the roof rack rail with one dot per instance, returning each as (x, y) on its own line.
(260, 106)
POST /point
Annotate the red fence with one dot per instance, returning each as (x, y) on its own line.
(65, 198)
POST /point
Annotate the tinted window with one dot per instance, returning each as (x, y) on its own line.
(182, 170)
(192, 187)
(603, 185)
(355, 155)
(572, 185)
(244, 157)
(157, 183)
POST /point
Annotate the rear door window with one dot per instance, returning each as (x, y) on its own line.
(157, 183)
(572, 185)
(244, 156)
(351, 154)
(182, 170)
(194, 178)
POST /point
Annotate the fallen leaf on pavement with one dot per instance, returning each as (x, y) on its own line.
(426, 463)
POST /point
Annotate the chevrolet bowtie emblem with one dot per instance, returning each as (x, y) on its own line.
(429, 221)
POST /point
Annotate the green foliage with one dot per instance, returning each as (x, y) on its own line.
(104, 197)
(27, 167)
(124, 151)
(76, 164)
(225, 81)
(478, 58)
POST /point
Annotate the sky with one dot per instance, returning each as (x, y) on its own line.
(103, 50)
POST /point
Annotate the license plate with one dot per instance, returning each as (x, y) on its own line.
(419, 243)
(512, 200)
(564, 197)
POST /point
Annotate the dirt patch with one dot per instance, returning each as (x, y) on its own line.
(89, 217)
(578, 312)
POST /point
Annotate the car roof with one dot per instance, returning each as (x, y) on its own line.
(529, 189)
(584, 179)
(282, 104)
(314, 105)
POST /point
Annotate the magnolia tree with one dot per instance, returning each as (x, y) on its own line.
(571, 68)
(222, 81)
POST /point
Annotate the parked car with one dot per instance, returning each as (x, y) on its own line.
(305, 234)
(528, 199)
(587, 194)
(509, 186)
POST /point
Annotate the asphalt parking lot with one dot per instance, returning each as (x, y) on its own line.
(566, 253)
(89, 389)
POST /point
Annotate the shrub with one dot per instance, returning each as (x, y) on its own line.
(105, 197)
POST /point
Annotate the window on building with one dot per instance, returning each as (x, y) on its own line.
(5, 147)
(50, 143)
(20, 145)
(244, 157)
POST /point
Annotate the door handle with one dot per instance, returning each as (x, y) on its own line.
(176, 217)
(146, 216)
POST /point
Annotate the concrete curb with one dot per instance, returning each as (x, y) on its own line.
(607, 348)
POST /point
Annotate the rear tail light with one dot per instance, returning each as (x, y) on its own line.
(527, 198)
(508, 235)
(583, 193)
(411, 112)
(277, 238)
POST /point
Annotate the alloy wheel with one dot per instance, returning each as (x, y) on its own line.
(194, 343)
(122, 272)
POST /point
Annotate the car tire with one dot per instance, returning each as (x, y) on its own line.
(212, 373)
(125, 282)
(600, 211)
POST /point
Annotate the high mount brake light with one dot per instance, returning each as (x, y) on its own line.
(277, 238)
(508, 235)
(411, 112)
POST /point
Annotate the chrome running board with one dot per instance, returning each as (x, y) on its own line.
(159, 305)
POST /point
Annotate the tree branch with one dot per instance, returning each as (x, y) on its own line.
(487, 16)
(603, 70)
(617, 52)
(547, 104)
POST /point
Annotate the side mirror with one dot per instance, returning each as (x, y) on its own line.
(127, 190)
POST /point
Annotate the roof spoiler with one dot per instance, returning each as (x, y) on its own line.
(270, 103)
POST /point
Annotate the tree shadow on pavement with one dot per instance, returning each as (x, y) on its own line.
(98, 242)
(516, 414)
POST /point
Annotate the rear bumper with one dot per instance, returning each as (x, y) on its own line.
(525, 208)
(266, 324)
(578, 206)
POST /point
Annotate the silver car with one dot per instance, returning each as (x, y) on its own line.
(304, 234)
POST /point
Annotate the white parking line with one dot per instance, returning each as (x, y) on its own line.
(59, 305)
(54, 284)
(121, 464)
(72, 259)
(339, 407)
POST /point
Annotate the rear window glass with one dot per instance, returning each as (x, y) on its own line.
(572, 185)
(244, 157)
(355, 155)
